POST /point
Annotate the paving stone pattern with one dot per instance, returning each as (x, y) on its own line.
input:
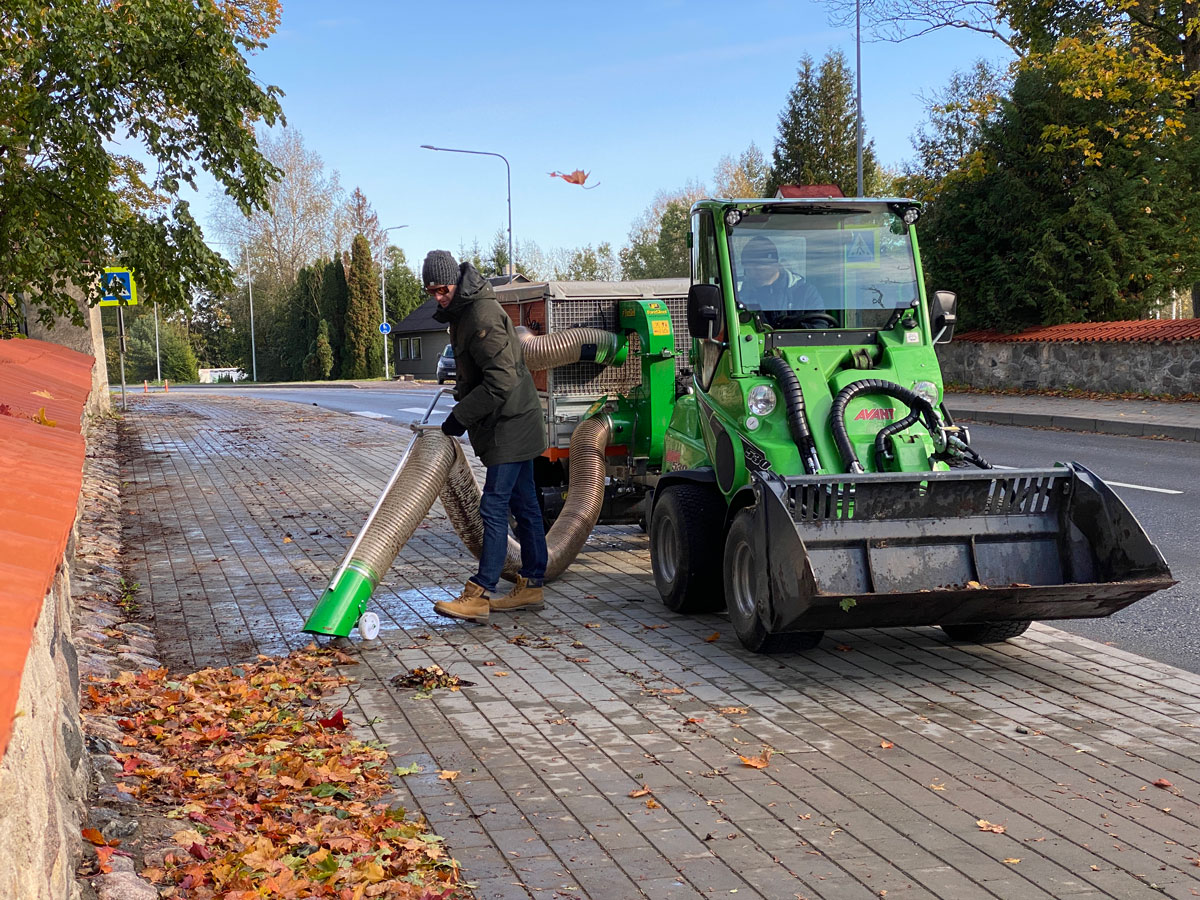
(889, 745)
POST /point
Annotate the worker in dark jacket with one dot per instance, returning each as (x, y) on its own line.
(498, 408)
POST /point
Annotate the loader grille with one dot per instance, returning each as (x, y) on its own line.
(928, 495)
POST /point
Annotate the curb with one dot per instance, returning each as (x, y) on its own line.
(1124, 427)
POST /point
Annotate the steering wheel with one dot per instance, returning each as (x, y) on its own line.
(805, 319)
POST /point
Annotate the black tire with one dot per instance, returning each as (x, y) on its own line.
(685, 548)
(441, 380)
(745, 583)
(985, 632)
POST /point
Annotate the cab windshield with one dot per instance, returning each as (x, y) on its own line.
(826, 268)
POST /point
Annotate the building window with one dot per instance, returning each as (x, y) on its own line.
(416, 348)
(402, 349)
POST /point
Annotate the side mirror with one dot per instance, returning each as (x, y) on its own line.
(943, 314)
(704, 310)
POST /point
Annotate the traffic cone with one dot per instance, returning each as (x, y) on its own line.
(166, 386)
(145, 387)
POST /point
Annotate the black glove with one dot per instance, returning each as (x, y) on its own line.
(452, 427)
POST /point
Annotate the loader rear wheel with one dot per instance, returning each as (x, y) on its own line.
(985, 632)
(685, 548)
(745, 585)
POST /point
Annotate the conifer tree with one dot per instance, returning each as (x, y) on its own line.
(362, 352)
(817, 140)
(334, 297)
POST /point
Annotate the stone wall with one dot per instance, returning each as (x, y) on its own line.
(43, 776)
(1154, 367)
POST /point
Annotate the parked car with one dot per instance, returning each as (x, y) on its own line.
(445, 365)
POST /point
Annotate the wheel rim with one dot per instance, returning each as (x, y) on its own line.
(666, 547)
(743, 576)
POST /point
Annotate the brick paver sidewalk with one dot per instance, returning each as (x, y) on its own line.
(889, 746)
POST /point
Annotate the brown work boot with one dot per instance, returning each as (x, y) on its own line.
(523, 596)
(472, 604)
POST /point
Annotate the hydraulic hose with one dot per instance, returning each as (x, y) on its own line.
(793, 399)
(585, 498)
(921, 408)
(547, 351)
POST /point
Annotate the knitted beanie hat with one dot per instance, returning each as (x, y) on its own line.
(439, 268)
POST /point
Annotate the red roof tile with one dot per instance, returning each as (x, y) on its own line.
(1143, 330)
(41, 472)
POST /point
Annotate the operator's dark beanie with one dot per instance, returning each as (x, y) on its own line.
(439, 268)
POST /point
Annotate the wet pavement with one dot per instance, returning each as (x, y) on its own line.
(890, 747)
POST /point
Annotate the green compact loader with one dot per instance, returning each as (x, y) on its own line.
(811, 477)
(778, 426)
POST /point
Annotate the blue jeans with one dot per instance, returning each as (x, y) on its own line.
(511, 486)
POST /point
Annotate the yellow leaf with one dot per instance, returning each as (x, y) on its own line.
(41, 419)
(886, 745)
(651, 803)
(46, 394)
(286, 539)
(448, 774)
(985, 825)
(757, 762)
(640, 792)
(1012, 860)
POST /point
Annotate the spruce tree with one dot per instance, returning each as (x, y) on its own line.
(362, 352)
(817, 141)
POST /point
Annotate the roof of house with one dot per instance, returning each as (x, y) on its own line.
(1092, 332)
(811, 191)
(43, 390)
(420, 319)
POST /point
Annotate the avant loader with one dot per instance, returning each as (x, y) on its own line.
(778, 426)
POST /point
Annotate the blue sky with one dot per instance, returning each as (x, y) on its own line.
(644, 96)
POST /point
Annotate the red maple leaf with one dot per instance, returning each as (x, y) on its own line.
(335, 721)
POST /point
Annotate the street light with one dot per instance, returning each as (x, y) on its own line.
(512, 263)
(383, 290)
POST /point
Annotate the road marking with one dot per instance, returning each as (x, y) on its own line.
(367, 414)
(1133, 487)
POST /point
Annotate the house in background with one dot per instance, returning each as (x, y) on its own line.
(418, 339)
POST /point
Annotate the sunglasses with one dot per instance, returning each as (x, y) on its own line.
(438, 290)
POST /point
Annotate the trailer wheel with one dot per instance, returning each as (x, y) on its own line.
(986, 632)
(685, 548)
(745, 584)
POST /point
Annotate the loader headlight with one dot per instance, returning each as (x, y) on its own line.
(761, 400)
(928, 390)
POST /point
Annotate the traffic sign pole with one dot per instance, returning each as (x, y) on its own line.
(121, 346)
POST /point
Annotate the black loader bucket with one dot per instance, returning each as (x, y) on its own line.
(962, 546)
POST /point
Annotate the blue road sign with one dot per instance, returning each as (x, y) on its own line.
(384, 328)
(119, 288)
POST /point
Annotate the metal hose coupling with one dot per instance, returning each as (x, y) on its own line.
(571, 345)
(585, 496)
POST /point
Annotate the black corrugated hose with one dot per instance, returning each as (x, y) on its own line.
(921, 409)
(793, 400)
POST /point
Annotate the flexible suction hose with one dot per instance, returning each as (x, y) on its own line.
(921, 408)
(585, 497)
(793, 400)
(404, 505)
(548, 351)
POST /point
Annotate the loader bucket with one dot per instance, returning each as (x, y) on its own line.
(960, 546)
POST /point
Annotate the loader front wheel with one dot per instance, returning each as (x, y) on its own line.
(985, 632)
(685, 548)
(746, 585)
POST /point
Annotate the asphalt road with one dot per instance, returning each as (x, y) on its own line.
(1158, 480)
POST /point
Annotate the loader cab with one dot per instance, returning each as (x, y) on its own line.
(828, 266)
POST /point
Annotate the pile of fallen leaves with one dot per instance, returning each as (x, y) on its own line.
(274, 799)
(426, 678)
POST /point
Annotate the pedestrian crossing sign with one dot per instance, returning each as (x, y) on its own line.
(862, 247)
(119, 287)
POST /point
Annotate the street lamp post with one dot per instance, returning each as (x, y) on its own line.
(383, 291)
(512, 262)
(858, 98)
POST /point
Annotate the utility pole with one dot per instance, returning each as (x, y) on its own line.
(858, 72)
